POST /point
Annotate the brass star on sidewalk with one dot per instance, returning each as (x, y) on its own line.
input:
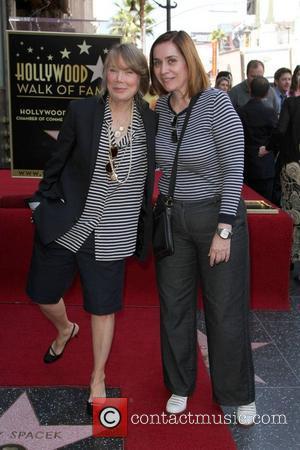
(19, 425)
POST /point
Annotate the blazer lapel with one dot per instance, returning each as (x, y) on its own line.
(96, 133)
(149, 119)
(150, 123)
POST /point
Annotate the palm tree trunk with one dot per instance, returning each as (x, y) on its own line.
(142, 24)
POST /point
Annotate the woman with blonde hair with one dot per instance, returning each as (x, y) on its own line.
(209, 230)
(223, 83)
(93, 209)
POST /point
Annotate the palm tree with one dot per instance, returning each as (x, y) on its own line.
(133, 27)
(218, 35)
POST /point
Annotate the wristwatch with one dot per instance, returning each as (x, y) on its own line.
(224, 233)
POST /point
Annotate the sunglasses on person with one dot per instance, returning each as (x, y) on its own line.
(113, 153)
(174, 135)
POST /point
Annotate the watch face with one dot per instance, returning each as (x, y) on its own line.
(223, 233)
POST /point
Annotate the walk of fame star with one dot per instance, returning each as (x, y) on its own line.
(65, 53)
(96, 69)
(202, 342)
(19, 425)
(84, 48)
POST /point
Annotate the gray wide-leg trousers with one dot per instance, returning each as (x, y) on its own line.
(225, 290)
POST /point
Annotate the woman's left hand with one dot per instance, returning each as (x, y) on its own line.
(220, 248)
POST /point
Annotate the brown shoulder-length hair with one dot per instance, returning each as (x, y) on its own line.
(197, 77)
(134, 59)
(295, 81)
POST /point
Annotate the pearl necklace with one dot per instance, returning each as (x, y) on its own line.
(118, 133)
(114, 175)
(119, 130)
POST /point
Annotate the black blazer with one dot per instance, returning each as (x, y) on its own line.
(259, 122)
(289, 130)
(67, 175)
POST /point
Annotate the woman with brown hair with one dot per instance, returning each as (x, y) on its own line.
(93, 209)
(295, 85)
(209, 229)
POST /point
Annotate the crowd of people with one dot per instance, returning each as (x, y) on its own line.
(270, 116)
(93, 207)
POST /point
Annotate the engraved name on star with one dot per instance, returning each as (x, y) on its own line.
(65, 53)
(97, 69)
(84, 48)
(19, 425)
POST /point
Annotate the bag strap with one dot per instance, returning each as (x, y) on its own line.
(169, 200)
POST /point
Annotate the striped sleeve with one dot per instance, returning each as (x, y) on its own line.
(229, 139)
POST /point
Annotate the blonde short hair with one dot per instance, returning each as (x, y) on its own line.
(134, 59)
(219, 81)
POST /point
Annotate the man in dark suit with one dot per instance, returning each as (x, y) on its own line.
(259, 122)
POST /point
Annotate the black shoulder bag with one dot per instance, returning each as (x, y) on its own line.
(163, 242)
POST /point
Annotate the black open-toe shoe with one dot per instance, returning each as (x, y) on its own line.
(50, 356)
(89, 405)
(89, 408)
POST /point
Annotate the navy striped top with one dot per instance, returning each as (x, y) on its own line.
(211, 155)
